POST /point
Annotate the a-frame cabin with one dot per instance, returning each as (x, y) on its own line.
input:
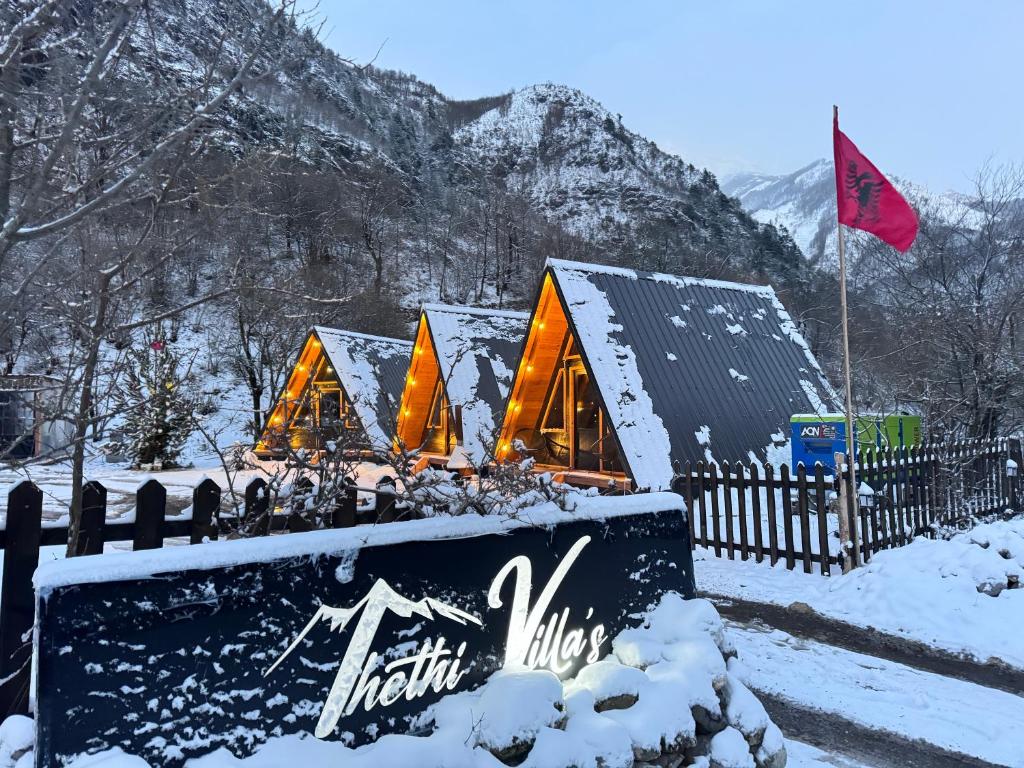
(626, 374)
(454, 395)
(344, 387)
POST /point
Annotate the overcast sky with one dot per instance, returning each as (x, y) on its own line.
(930, 90)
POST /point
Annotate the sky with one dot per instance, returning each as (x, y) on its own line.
(929, 90)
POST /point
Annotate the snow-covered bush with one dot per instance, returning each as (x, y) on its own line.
(666, 696)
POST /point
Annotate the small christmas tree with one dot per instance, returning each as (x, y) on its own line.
(155, 401)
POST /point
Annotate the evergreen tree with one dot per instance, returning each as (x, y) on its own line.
(156, 402)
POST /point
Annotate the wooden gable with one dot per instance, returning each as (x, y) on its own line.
(313, 405)
(554, 410)
(423, 414)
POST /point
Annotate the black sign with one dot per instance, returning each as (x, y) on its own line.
(346, 643)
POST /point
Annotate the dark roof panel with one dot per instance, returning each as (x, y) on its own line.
(721, 366)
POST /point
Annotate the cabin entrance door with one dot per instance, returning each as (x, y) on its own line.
(592, 445)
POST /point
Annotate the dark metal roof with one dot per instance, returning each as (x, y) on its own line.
(719, 359)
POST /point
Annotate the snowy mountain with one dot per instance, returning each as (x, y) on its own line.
(583, 169)
(803, 202)
(567, 158)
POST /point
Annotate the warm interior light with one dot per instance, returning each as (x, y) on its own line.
(529, 368)
(541, 326)
(518, 407)
(405, 412)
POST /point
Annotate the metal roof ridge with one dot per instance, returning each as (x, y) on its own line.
(660, 277)
(358, 335)
(478, 311)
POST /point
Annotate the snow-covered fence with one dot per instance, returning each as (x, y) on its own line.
(758, 511)
(150, 525)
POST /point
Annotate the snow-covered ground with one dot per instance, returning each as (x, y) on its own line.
(882, 695)
(943, 593)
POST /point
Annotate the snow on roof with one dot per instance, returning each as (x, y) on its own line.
(372, 371)
(663, 349)
(477, 350)
(116, 566)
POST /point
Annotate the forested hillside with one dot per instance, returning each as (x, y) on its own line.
(240, 185)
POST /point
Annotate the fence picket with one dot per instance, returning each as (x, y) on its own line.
(345, 507)
(17, 604)
(727, 501)
(819, 494)
(787, 517)
(716, 526)
(688, 488)
(755, 512)
(702, 503)
(205, 512)
(805, 518)
(741, 511)
(150, 508)
(773, 530)
(92, 521)
(257, 507)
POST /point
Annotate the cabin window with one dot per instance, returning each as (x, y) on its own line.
(330, 408)
(437, 409)
(554, 416)
(593, 446)
(436, 438)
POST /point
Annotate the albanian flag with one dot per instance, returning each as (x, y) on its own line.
(866, 199)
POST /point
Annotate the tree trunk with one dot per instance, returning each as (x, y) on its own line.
(83, 414)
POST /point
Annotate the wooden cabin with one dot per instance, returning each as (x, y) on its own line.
(454, 395)
(344, 387)
(29, 424)
(626, 375)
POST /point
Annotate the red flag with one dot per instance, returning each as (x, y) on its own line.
(866, 199)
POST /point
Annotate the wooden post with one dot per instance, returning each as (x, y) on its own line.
(802, 499)
(730, 548)
(822, 517)
(687, 480)
(386, 500)
(150, 509)
(702, 504)
(93, 519)
(205, 512)
(297, 521)
(787, 517)
(716, 523)
(851, 431)
(17, 609)
(755, 507)
(345, 508)
(773, 529)
(844, 513)
(741, 510)
(257, 507)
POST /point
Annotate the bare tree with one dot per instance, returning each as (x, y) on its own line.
(97, 141)
(950, 309)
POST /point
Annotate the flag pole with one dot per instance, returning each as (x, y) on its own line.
(851, 435)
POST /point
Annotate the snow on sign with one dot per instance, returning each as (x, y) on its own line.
(340, 634)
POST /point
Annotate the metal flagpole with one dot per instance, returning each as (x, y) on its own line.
(851, 435)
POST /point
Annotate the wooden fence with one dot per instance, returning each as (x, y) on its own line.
(26, 532)
(757, 511)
